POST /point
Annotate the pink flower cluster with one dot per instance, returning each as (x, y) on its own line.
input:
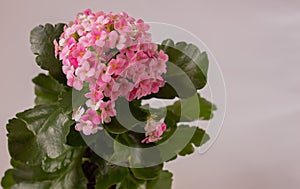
(115, 55)
(154, 130)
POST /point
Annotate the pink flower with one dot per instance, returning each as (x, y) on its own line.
(68, 68)
(112, 39)
(107, 111)
(78, 113)
(154, 130)
(115, 40)
(87, 127)
(91, 115)
(132, 94)
(81, 53)
(74, 81)
(156, 85)
(72, 61)
(106, 77)
(100, 38)
(87, 12)
(140, 56)
(142, 26)
(116, 66)
(95, 95)
(84, 71)
(93, 104)
(107, 88)
(85, 41)
(102, 20)
(137, 73)
(121, 42)
(122, 26)
(124, 87)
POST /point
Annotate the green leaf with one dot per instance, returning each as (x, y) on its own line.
(130, 114)
(180, 140)
(68, 176)
(199, 138)
(147, 173)
(38, 133)
(111, 175)
(190, 59)
(131, 183)
(39, 185)
(41, 40)
(115, 127)
(192, 109)
(136, 156)
(139, 113)
(78, 97)
(133, 117)
(188, 69)
(8, 180)
(51, 165)
(21, 142)
(171, 121)
(166, 92)
(163, 181)
(47, 89)
(65, 100)
(74, 138)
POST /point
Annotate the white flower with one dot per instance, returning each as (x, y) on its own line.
(78, 113)
(93, 105)
(152, 125)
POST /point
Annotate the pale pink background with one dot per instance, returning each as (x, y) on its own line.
(257, 44)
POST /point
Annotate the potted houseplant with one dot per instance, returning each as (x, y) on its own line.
(90, 127)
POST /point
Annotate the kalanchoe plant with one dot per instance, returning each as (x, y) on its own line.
(106, 58)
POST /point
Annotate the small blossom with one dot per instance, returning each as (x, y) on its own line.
(94, 95)
(107, 111)
(124, 87)
(78, 113)
(85, 72)
(154, 130)
(93, 104)
(87, 127)
(91, 115)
